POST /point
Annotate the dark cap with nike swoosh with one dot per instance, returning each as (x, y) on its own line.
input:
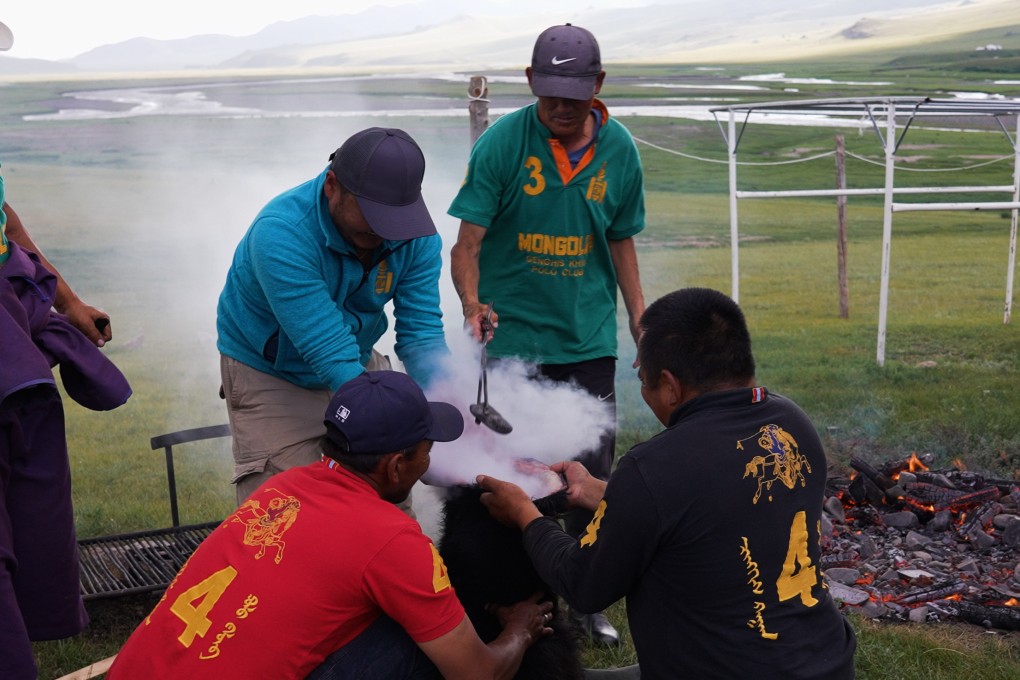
(565, 63)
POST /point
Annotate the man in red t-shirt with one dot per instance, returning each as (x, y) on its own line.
(319, 574)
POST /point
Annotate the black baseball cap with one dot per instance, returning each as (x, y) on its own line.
(383, 412)
(565, 63)
(383, 168)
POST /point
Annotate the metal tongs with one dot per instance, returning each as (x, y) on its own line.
(481, 410)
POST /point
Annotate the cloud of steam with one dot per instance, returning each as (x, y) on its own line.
(551, 421)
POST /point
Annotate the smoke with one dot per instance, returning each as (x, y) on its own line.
(551, 421)
(164, 180)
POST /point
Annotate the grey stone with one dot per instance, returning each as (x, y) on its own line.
(842, 593)
(890, 576)
(842, 575)
(914, 575)
(894, 492)
(915, 540)
(902, 520)
(868, 546)
(874, 610)
(983, 540)
(1004, 520)
(941, 520)
(834, 507)
(969, 566)
(827, 529)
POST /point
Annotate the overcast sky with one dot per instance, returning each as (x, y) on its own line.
(60, 29)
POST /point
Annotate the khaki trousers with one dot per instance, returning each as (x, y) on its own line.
(275, 424)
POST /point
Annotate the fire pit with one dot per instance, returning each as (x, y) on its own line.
(903, 542)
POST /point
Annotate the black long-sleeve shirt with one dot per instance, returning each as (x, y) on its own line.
(711, 531)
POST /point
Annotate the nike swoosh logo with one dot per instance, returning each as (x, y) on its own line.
(603, 398)
(556, 61)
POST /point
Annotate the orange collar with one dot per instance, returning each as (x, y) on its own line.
(562, 158)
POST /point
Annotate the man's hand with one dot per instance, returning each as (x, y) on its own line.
(94, 324)
(583, 490)
(474, 321)
(532, 616)
(636, 332)
(507, 502)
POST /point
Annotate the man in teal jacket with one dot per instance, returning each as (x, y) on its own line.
(303, 304)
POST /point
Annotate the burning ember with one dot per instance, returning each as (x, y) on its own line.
(904, 542)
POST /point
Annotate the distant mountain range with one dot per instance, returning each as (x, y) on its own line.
(463, 34)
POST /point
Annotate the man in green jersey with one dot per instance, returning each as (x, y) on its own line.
(551, 202)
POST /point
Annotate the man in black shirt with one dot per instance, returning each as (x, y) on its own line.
(711, 528)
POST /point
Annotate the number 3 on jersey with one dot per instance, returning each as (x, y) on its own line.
(206, 593)
(537, 184)
(799, 576)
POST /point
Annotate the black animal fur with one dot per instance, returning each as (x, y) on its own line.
(487, 564)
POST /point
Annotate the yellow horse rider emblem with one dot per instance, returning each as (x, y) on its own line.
(783, 462)
(265, 527)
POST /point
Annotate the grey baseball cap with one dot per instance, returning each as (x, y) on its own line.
(565, 63)
(384, 168)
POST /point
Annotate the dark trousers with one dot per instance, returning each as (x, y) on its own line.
(597, 377)
(384, 651)
(39, 583)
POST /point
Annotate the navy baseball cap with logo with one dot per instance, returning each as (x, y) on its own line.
(383, 412)
(384, 168)
(565, 63)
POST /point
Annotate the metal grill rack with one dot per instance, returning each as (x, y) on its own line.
(138, 562)
(145, 561)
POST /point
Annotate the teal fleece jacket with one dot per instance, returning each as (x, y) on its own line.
(297, 303)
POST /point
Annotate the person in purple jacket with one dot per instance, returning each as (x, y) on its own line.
(303, 304)
(40, 596)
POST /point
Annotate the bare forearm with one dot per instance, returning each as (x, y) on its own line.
(89, 320)
(17, 233)
(461, 655)
(466, 275)
(628, 276)
(507, 651)
(464, 269)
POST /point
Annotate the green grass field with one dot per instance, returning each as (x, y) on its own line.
(141, 214)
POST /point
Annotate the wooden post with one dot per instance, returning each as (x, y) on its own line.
(478, 108)
(844, 292)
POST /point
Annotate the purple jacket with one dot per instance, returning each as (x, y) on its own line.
(34, 338)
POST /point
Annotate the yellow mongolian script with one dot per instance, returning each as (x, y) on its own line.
(757, 620)
(544, 244)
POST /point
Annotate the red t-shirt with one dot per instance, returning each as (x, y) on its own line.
(306, 564)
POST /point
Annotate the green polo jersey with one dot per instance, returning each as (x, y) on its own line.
(545, 262)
